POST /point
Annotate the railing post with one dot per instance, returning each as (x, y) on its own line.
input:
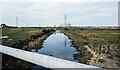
(0, 44)
(0, 61)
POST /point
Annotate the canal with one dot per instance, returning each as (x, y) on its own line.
(58, 45)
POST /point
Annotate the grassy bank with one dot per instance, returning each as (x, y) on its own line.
(26, 39)
(98, 47)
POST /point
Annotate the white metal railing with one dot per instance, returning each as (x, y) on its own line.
(42, 60)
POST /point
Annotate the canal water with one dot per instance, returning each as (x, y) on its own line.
(58, 45)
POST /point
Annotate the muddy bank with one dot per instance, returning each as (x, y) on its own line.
(22, 43)
(94, 49)
(84, 56)
(34, 41)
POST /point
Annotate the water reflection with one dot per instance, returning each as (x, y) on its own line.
(58, 45)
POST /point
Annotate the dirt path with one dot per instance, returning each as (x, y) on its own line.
(108, 63)
(94, 55)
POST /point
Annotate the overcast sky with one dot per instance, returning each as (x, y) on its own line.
(51, 12)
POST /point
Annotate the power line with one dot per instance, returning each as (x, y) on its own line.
(16, 21)
(65, 18)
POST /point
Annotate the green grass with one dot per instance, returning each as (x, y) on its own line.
(18, 34)
(103, 41)
(25, 39)
(108, 35)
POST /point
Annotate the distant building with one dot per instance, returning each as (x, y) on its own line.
(69, 25)
(65, 25)
(4, 25)
(61, 25)
(54, 25)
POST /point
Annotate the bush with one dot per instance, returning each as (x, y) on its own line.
(66, 29)
(103, 51)
(101, 60)
(109, 57)
(83, 60)
(86, 43)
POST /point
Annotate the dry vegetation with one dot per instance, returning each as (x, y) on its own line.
(26, 39)
(98, 47)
